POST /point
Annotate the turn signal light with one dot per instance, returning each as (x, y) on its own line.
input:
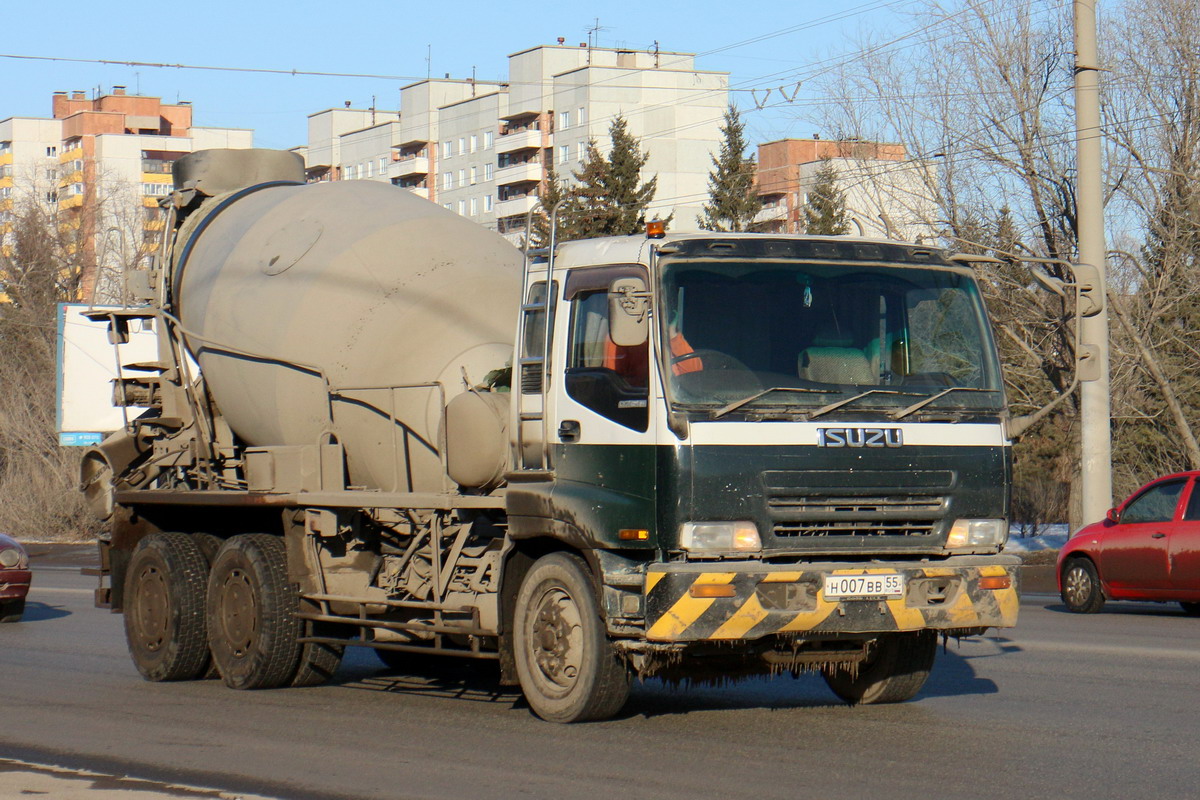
(995, 582)
(634, 535)
(712, 590)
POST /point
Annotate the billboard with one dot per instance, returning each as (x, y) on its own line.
(87, 366)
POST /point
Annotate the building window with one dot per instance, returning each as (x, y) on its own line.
(5, 147)
(382, 164)
(370, 167)
(564, 153)
(462, 177)
(462, 208)
(487, 202)
(474, 206)
(489, 169)
(564, 120)
(448, 180)
(77, 188)
(581, 116)
(51, 151)
(474, 143)
(488, 138)
(474, 175)
(448, 206)
(447, 149)
(462, 146)
(581, 151)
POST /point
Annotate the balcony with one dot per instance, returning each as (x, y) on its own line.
(519, 173)
(773, 213)
(517, 205)
(519, 140)
(410, 165)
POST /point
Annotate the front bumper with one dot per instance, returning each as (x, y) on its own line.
(14, 584)
(769, 599)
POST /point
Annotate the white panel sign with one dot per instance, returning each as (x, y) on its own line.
(87, 365)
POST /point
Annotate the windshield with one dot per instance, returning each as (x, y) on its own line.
(803, 335)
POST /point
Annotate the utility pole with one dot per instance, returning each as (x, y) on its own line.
(1096, 438)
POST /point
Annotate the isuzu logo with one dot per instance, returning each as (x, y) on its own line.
(860, 437)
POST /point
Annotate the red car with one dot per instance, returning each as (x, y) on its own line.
(14, 579)
(1148, 548)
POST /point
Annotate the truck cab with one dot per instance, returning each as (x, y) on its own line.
(790, 445)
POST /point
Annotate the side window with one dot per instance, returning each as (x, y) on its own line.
(1156, 504)
(533, 344)
(1193, 507)
(607, 378)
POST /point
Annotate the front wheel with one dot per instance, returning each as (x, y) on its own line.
(896, 667)
(12, 610)
(566, 664)
(1081, 590)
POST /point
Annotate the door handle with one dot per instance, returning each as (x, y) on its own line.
(568, 430)
(1158, 535)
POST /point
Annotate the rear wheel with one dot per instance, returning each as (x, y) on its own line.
(164, 608)
(1191, 609)
(1081, 587)
(11, 610)
(253, 629)
(318, 660)
(566, 664)
(895, 669)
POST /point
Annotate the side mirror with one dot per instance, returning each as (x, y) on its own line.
(628, 312)
(1111, 516)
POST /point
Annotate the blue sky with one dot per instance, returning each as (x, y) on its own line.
(394, 39)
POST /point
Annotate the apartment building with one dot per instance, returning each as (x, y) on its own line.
(484, 150)
(887, 194)
(102, 164)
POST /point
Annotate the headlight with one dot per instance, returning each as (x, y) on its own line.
(977, 533)
(10, 558)
(719, 536)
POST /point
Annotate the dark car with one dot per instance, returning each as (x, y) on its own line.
(14, 579)
(1148, 548)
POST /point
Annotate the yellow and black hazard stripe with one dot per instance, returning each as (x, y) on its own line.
(688, 606)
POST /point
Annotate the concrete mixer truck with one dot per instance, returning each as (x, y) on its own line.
(372, 422)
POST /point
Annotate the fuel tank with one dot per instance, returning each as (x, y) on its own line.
(347, 311)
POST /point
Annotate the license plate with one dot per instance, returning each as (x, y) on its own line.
(850, 587)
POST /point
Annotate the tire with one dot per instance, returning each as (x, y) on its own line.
(253, 630)
(566, 665)
(318, 661)
(895, 670)
(1081, 592)
(165, 585)
(1190, 608)
(11, 610)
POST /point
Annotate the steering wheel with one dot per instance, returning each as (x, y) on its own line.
(713, 359)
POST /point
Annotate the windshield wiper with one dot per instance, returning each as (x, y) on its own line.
(848, 400)
(904, 412)
(736, 404)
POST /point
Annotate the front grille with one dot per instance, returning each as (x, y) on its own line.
(853, 528)
(893, 515)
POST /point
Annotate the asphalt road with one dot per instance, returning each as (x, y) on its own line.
(1062, 706)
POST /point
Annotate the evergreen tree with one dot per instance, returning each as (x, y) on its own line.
(608, 198)
(732, 203)
(628, 199)
(825, 211)
(552, 192)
